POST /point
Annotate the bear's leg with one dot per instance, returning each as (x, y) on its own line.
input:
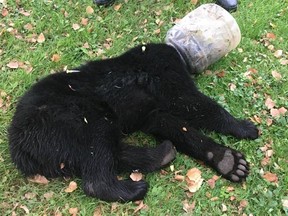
(98, 171)
(230, 163)
(146, 159)
(202, 112)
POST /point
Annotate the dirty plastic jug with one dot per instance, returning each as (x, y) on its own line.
(204, 36)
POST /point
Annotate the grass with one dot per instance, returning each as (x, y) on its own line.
(110, 32)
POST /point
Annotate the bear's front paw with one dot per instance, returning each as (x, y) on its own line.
(230, 164)
(246, 130)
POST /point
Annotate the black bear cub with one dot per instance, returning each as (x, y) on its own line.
(78, 120)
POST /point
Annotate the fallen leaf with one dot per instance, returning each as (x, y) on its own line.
(276, 75)
(157, 31)
(243, 204)
(89, 10)
(194, 179)
(211, 182)
(30, 195)
(24, 208)
(285, 203)
(232, 86)
(55, 58)
(48, 195)
(86, 45)
(277, 112)
(117, 7)
(140, 206)
(98, 211)
(179, 177)
(75, 26)
(271, 35)
(265, 161)
(73, 211)
(62, 165)
(269, 103)
(278, 53)
(28, 26)
(271, 177)
(72, 187)
(84, 21)
(284, 61)
(4, 12)
(136, 176)
(194, 2)
(23, 12)
(269, 153)
(39, 179)
(224, 207)
(13, 64)
(269, 122)
(230, 189)
(220, 74)
(188, 208)
(41, 38)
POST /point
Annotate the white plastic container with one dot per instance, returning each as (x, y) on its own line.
(204, 36)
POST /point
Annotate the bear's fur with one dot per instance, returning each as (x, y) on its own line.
(77, 120)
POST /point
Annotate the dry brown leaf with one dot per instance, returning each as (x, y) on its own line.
(194, 2)
(232, 86)
(75, 26)
(41, 38)
(278, 53)
(278, 112)
(224, 207)
(55, 58)
(48, 195)
(86, 45)
(24, 208)
(276, 75)
(98, 211)
(84, 21)
(243, 204)
(194, 179)
(188, 208)
(4, 12)
(39, 179)
(136, 176)
(285, 202)
(28, 26)
(283, 61)
(269, 122)
(230, 189)
(179, 177)
(13, 64)
(271, 35)
(140, 206)
(89, 10)
(271, 177)
(72, 187)
(29, 195)
(269, 103)
(269, 153)
(57, 213)
(157, 31)
(23, 12)
(73, 211)
(220, 74)
(117, 7)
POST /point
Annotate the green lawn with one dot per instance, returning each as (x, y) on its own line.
(241, 82)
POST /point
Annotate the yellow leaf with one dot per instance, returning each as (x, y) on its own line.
(55, 58)
(89, 10)
(72, 187)
(39, 179)
(13, 64)
(75, 26)
(41, 38)
(194, 2)
(117, 7)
